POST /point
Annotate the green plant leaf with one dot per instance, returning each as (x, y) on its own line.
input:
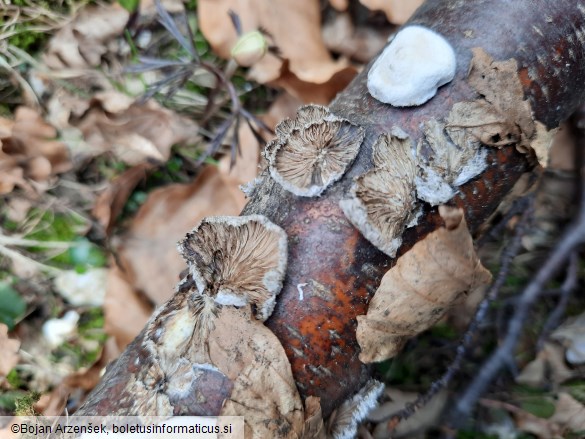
(12, 306)
(541, 407)
(129, 5)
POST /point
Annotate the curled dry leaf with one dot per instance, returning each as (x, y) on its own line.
(135, 133)
(237, 260)
(111, 201)
(82, 42)
(501, 116)
(9, 348)
(125, 311)
(28, 150)
(397, 11)
(305, 68)
(383, 199)
(361, 43)
(420, 288)
(312, 151)
(314, 427)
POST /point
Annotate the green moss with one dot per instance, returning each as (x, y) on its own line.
(12, 306)
(24, 405)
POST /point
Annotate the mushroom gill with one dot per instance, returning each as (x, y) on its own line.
(383, 199)
(237, 260)
(313, 150)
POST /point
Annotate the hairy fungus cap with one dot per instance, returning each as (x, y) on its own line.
(412, 67)
(312, 151)
(237, 260)
(383, 199)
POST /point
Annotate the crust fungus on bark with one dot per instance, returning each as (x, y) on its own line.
(312, 151)
(383, 200)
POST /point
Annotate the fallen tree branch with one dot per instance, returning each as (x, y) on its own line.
(340, 267)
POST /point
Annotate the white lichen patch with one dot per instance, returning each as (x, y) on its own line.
(383, 199)
(312, 151)
(345, 420)
(448, 165)
(412, 67)
(237, 260)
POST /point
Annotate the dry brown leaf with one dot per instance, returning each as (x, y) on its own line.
(9, 348)
(82, 42)
(264, 390)
(563, 150)
(148, 7)
(501, 116)
(314, 426)
(192, 336)
(148, 250)
(28, 150)
(135, 133)
(296, 30)
(334, 79)
(111, 201)
(397, 11)
(125, 312)
(340, 5)
(424, 418)
(420, 288)
(360, 44)
(569, 413)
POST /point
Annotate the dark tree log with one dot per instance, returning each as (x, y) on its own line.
(340, 267)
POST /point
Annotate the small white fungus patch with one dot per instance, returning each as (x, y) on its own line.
(300, 290)
(412, 67)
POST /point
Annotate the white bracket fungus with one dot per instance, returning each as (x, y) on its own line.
(312, 151)
(412, 67)
(237, 260)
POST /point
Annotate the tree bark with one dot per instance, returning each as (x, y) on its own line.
(341, 268)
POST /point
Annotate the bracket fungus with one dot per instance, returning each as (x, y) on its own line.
(383, 199)
(237, 260)
(444, 165)
(312, 151)
(412, 67)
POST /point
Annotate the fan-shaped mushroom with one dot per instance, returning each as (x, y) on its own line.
(312, 151)
(237, 260)
(383, 199)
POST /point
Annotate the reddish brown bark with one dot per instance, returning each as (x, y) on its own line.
(341, 268)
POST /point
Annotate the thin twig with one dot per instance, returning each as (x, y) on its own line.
(567, 288)
(571, 239)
